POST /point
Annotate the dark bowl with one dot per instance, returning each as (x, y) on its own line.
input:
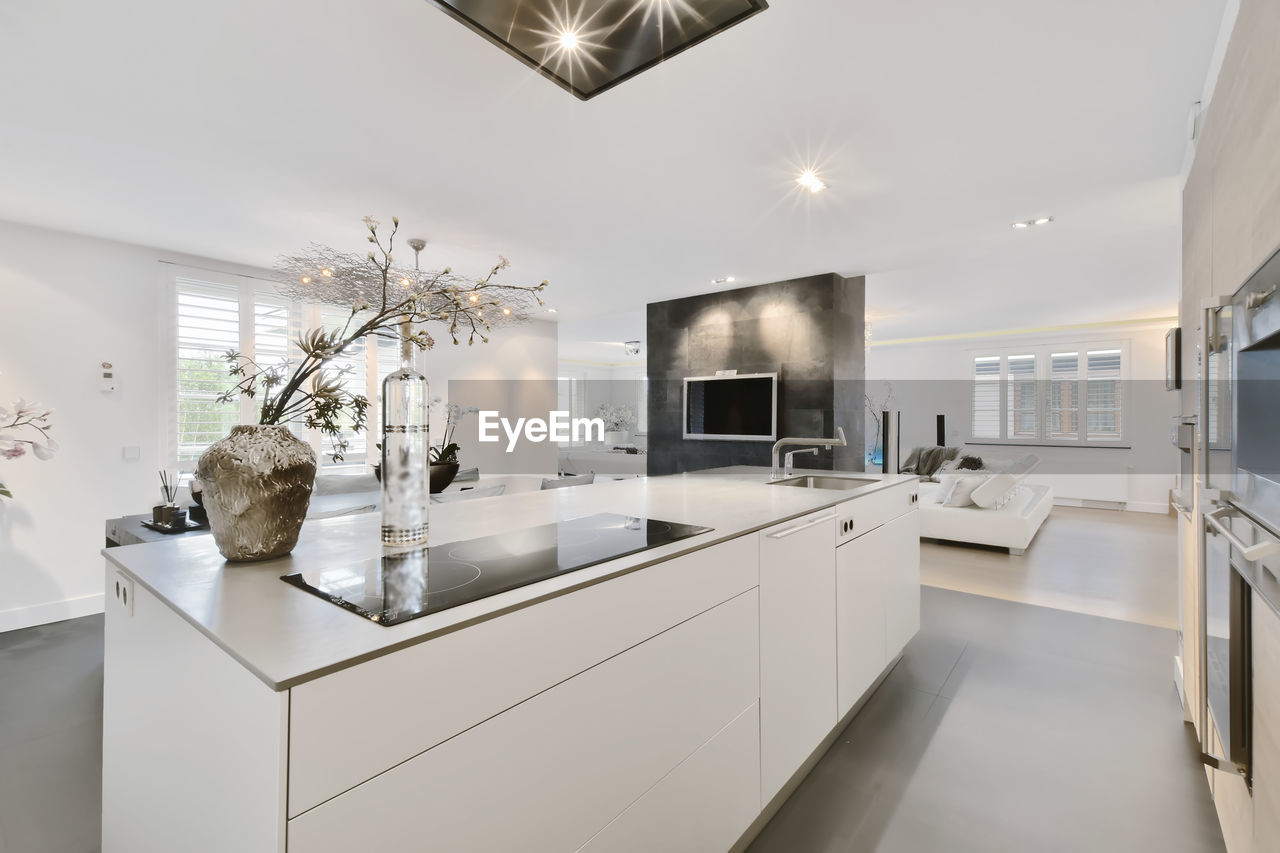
(442, 476)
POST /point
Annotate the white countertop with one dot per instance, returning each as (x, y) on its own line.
(287, 636)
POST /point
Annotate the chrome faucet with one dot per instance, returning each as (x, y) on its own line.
(828, 443)
(789, 459)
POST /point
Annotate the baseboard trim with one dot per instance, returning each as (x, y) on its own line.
(1115, 506)
(53, 611)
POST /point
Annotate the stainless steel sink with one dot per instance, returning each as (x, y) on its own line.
(819, 482)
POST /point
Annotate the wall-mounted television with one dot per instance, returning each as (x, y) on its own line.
(738, 407)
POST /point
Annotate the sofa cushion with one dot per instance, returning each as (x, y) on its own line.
(961, 494)
(992, 492)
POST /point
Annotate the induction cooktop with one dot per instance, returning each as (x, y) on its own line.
(401, 585)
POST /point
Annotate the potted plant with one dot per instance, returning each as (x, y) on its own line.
(24, 428)
(617, 423)
(444, 456)
(257, 481)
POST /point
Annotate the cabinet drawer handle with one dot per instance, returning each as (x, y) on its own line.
(783, 534)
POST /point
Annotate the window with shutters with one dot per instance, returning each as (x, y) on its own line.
(986, 396)
(1068, 395)
(208, 324)
(216, 313)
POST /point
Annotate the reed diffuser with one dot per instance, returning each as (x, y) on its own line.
(167, 513)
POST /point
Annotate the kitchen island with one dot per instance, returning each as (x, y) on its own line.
(669, 699)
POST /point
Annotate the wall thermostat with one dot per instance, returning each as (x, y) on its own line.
(108, 381)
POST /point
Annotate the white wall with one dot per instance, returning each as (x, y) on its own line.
(616, 384)
(69, 303)
(931, 378)
(525, 354)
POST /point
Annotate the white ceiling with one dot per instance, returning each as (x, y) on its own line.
(240, 130)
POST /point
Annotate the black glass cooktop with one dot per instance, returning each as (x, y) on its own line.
(402, 585)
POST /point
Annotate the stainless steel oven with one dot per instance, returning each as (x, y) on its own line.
(1239, 479)
(1255, 344)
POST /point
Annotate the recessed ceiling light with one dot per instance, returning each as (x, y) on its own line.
(569, 40)
(1022, 225)
(1043, 220)
(811, 182)
(723, 279)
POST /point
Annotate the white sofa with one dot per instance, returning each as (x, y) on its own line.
(1011, 526)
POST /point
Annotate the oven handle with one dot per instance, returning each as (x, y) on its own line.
(1252, 553)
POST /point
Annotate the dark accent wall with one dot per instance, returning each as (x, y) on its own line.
(808, 330)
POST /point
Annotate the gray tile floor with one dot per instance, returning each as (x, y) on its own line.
(1010, 727)
(51, 738)
(1005, 727)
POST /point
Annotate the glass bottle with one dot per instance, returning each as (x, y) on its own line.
(406, 470)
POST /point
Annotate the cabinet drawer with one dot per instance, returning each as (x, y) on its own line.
(347, 727)
(797, 645)
(700, 807)
(870, 511)
(551, 773)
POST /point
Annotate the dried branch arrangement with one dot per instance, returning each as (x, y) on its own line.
(386, 300)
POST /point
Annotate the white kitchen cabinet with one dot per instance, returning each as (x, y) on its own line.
(699, 807)
(902, 582)
(553, 771)
(185, 725)
(407, 702)
(797, 645)
(861, 634)
(1189, 617)
(1266, 726)
(877, 603)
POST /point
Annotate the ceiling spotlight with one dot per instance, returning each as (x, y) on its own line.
(1043, 220)
(811, 182)
(569, 40)
(631, 347)
(1022, 225)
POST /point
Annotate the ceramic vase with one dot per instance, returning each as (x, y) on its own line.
(256, 487)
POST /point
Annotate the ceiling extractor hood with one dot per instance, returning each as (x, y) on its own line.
(588, 47)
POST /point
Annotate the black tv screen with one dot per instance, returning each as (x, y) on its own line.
(740, 408)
